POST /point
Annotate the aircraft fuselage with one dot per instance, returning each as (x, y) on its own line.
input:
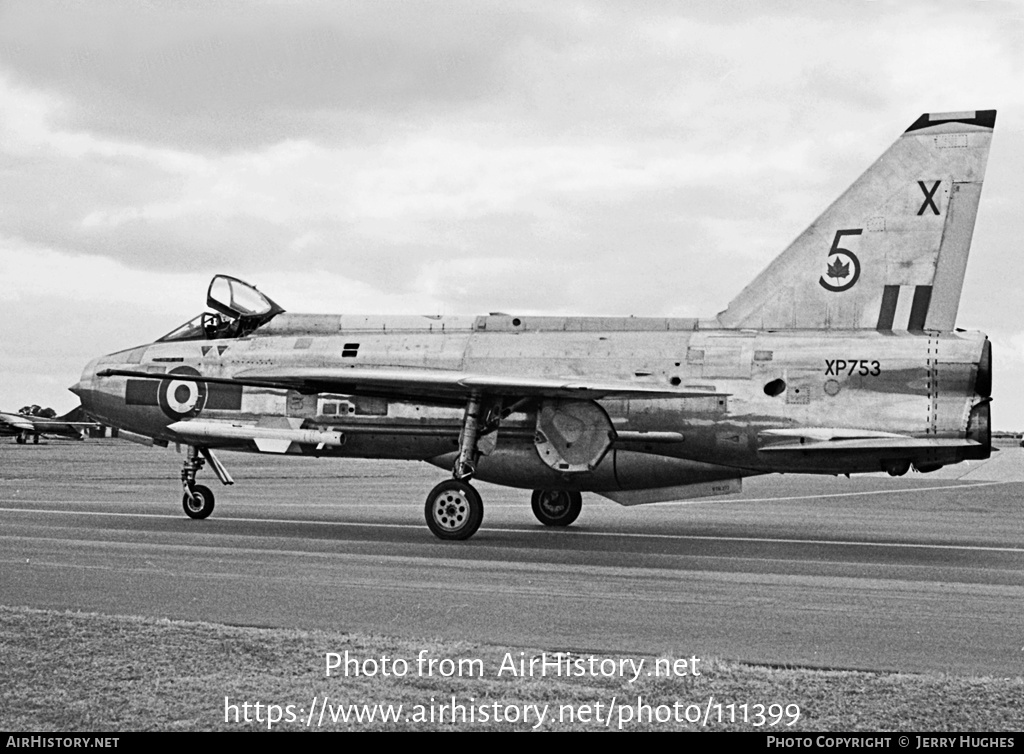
(773, 391)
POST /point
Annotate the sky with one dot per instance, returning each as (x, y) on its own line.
(462, 157)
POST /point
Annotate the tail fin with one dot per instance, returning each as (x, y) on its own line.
(890, 253)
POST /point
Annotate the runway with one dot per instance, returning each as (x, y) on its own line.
(919, 574)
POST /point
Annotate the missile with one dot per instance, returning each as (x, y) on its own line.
(267, 439)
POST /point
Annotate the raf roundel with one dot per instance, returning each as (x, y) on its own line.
(182, 398)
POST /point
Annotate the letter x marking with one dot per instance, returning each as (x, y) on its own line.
(928, 198)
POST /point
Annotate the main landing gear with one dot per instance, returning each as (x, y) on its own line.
(557, 507)
(454, 509)
(197, 499)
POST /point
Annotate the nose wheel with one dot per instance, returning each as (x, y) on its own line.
(454, 510)
(198, 504)
(197, 499)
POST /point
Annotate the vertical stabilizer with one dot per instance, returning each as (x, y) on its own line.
(890, 253)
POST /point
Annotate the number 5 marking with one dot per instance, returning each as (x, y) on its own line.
(838, 251)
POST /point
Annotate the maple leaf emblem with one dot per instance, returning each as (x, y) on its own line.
(838, 270)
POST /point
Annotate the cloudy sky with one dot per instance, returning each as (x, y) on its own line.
(452, 157)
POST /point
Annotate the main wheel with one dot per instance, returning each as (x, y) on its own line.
(201, 503)
(21, 439)
(557, 507)
(454, 510)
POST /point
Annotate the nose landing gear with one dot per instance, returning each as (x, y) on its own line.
(197, 499)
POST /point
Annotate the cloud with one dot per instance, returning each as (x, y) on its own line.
(462, 157)
(223, 75)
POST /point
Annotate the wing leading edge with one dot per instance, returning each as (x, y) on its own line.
(440, 385)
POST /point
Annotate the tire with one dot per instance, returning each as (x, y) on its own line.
(201, 504)
(557, 507)
(454, 510)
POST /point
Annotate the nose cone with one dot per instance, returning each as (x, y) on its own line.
(84, 387)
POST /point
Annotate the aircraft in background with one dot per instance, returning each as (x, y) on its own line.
(840, 357)
(34, 422)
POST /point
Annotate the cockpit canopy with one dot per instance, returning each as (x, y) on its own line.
(240, 309)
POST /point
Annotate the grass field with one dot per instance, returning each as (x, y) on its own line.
(65, 671)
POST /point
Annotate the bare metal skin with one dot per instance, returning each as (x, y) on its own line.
(841, 357)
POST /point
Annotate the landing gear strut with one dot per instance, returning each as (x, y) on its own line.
(454, 509)
(465, 464)
(197, 499)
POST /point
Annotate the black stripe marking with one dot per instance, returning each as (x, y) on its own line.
(141, 393)
(890, 296)
(985, 118)
(224, 397)
(919, 309)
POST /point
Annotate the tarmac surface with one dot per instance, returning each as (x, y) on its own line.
(923, 573)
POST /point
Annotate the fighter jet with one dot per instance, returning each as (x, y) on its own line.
(841, 357)
(28, 423)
